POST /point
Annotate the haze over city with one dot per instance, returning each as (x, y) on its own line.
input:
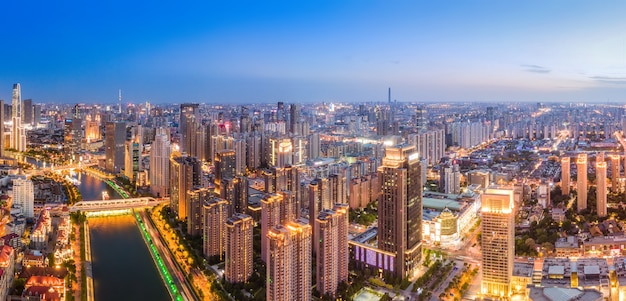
(246, 52)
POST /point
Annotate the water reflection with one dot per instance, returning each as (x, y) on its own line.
(122, 266)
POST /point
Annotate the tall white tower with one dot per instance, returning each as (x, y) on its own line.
(18, 134)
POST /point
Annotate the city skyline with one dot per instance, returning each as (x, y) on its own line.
(300, 52)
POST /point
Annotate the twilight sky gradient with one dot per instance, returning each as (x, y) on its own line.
(302, 51)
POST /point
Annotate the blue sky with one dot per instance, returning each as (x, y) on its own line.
(303, 51)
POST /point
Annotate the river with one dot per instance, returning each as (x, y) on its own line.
(121, 263)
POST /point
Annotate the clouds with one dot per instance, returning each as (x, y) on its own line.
(620, 80)
(535, 68)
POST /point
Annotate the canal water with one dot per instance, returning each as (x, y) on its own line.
(121, 263)
(122, 266)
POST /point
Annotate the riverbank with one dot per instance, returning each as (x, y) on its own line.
(156, 258)
(87, 265)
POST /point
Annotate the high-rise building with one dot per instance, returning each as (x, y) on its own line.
(615, 167)
(132, 155)
(188, 112)
(270, 216)
(2, 143)
(27, 110)
(498, 242)
(431, 144)
(18, 134)
(196, 200)
(314, 146)
(24, 196)
(400, 208)
(450, 179)
(224, 165)
(601, 188)
(281, 152)
(565, 175)
(338, 190)
(332, 250)
(239, 252)
(115, 137)
(184, 175)
(294, 117)
(36, 114)
(215, 215)
(235, 191)
(581, 181)
(289, 265)
(160, 166)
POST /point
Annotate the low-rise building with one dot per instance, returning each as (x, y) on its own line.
(567, 247)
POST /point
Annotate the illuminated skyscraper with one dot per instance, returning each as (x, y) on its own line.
(196, 198)
(581, 181)
(332, 249)
(215, 214)
(400, 208)
(160, 166)
(18, 134)
(184, 175)
(565, 175)
(270, 216)
(601, 188)
(1, 128)
(615, 167)
(239, 251)
(289, 265)
(224, 165)
(281, 152)
(498, 242)
(115, 133)
(187, 113)
(132, 155)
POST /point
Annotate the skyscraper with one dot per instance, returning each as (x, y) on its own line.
(27, 111)
(270, 216)
(294, 117)
(1, 128)
(24, 195)
(400, 208)
(565, 175)
(581, 181)
(224, 165)
(187, 112)
(160, 166)
(235, 191)
(114, 143)
(601, 188)
(289, 265)
(332, 254)
(238, 260)
(132, 155)
(215, 214)
(498, 242)
(18, 134)
(450, 179)
(196, 199)
(615, 167)
(184, 175)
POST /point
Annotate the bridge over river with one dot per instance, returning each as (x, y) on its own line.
(116, 204)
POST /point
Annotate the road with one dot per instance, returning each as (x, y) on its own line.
(179, 278)
(444, 283)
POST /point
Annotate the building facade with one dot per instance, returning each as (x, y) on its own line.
(400, 208)
(239, 252)
(498, 242)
